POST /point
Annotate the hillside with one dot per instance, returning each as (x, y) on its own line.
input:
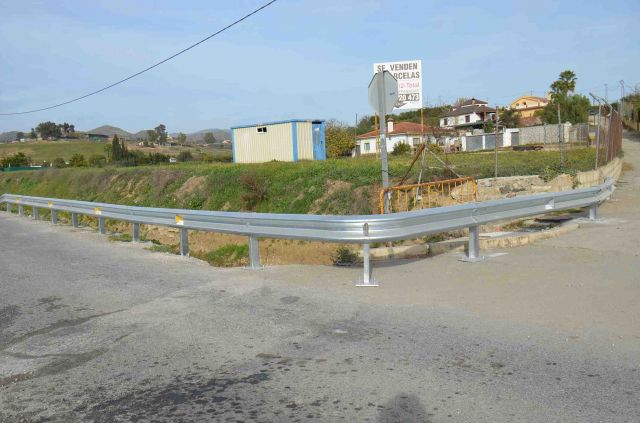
(220, 134)
(111, 131)
(339, 186)
(8, 136)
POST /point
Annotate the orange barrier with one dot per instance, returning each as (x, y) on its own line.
(429, 194)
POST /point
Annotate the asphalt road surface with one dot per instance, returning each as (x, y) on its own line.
(96, 331)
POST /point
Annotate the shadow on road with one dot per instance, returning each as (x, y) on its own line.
(403, 408)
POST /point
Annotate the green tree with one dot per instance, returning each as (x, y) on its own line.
(17, 160)
(182, 138)
(509, 118)
(152, 136)
(340, 138)
(77, 160)
(19, 135)
(209, 138)
(161, 133)
(33, 135)
(565, 83)
(48, 130)
(573, 108)
(97, 160)
(58, 163)
(116, 149)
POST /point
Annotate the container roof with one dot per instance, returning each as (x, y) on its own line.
(277, 122)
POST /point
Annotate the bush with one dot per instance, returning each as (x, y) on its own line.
(185, 156)
(401, 148)
(97, 160)
(77, 160)
(257, 190)
(344, 256)
(17, 160)
(58, 163)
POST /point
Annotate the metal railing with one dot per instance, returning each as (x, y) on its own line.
(426, 195)
(362, 229)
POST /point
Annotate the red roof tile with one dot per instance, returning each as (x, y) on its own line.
(406, 128)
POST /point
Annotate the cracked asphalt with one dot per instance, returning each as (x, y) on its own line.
(97, 331)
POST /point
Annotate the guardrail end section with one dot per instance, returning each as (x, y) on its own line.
(367, 279)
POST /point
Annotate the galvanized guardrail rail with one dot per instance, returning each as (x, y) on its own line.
(362, 229)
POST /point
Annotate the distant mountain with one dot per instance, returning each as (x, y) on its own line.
(111, 131)
(220, 134)
(8, 136)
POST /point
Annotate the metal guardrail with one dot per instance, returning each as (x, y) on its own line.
(361, 229)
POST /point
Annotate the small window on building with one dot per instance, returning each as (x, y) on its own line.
(262, 129)
(416, 141)
(467, 118)
(367, 146)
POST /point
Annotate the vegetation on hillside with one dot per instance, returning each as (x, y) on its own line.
(338, 186)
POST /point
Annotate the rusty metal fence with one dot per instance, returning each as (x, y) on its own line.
(426, 195)
(608, 141)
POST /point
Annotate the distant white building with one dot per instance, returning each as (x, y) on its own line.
(472, 113)
(402, 132)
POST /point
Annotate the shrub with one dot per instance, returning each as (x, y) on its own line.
(185, 156)
(77, 160)
(401, 148)
(257, 190)
(17, 160)
(344, 256)
(97, 160)
(58, 163)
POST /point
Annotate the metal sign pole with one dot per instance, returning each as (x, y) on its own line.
(383, 139)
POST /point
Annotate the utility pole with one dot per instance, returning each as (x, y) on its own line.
(496, 142)
(560, 138)
(622, 101)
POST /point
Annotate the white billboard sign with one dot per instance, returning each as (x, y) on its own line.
(409, 76)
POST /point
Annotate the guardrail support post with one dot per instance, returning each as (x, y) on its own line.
(184, 242)
(593, 212)
(36, 213)
(54, 217)
(74, 219)
(135, 232)
(473, 252)
(101, 226)
(367, 280)
(20, 210)
(254, 252)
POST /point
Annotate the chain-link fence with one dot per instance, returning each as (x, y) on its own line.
(608, 139)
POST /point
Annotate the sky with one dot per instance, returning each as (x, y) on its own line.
(297, 58)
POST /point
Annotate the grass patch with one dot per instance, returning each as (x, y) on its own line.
(120, 238)
(336, 186)
(161, 248)
(229, 255)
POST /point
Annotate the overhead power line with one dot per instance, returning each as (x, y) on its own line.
(146, 69)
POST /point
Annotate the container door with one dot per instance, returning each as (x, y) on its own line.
(319, 151)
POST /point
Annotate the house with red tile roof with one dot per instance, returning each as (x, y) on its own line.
(402, 132)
